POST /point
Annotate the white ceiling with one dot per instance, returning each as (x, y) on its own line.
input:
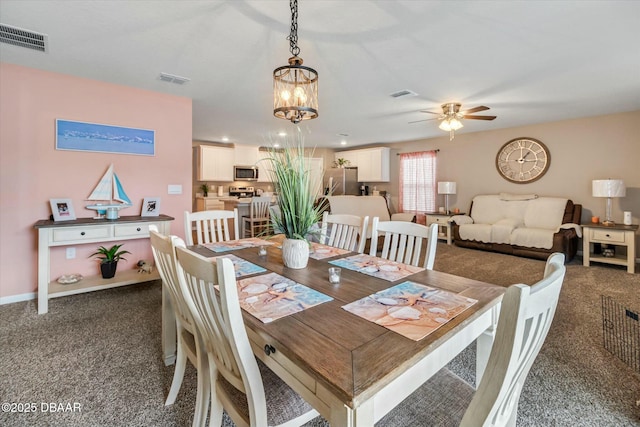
(530, 61)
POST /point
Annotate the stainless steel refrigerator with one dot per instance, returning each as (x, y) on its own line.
(339, 181)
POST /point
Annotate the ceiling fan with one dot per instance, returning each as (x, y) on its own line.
(450, 118)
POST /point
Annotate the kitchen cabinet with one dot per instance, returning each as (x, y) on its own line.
(372, 163)
(215, 163)
(245, 155)
(264, 165)
(209, 203)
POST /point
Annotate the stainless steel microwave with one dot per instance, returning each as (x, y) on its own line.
(245, 173)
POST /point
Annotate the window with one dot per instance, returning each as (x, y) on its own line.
(418, 182)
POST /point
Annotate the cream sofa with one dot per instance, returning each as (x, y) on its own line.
(363, 206)
(525, 225)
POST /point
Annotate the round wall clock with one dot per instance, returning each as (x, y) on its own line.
(523, 160)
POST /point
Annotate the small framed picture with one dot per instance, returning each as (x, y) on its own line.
(62, 209)
(150, 206)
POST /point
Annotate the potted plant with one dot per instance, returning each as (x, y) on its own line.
(341, 163)
(290, 172)
(109, 259)
(205, 190)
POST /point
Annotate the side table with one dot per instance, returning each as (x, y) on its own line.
(617, 235)
(444, 224)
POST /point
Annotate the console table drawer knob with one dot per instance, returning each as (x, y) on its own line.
(82, 233)
(268, 349)
(138, 229)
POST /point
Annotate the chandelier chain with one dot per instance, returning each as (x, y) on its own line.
(293, 36)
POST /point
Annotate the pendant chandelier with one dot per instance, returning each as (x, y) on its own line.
(295, 87)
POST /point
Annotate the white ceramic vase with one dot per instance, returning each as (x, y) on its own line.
(295, 253)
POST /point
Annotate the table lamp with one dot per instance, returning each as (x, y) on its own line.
(446, 188)
(608, 188)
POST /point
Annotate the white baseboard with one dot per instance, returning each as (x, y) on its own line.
(18, 298)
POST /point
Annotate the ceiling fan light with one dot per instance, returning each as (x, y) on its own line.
(455, 124)
(445, 125)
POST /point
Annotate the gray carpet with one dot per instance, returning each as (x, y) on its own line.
(102, 351)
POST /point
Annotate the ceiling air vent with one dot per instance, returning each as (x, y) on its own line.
(171, 78)
(24, 38)
(403, 93)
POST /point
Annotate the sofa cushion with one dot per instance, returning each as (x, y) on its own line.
(501, 230)
(478, 232)
(360, 206)
(533, 237)
(487, 209)
(545, 212)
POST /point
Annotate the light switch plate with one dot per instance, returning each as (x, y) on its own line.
(174, 189)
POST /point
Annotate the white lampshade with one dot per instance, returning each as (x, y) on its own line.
(446, 187)
(608, 188)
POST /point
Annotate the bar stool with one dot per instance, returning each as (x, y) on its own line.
(259, 220)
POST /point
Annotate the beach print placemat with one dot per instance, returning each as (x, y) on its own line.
(243, 267)
(232, 245)
(320, 251)
(272, 296)
(410, 309)
(377, 267)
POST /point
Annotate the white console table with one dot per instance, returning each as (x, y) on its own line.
(88, 230)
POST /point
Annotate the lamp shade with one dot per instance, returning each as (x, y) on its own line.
(446, 187)
(608, 188)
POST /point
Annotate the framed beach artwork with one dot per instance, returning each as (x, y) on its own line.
(62, 209)
(82, 136)
(150, 206)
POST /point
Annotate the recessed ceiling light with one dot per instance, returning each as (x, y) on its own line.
(225, 139)
(282, 133)
(276, 145)
(343, 142)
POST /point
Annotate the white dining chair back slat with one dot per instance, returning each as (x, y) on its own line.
(405, 241)
(344, 231)
(210, 226)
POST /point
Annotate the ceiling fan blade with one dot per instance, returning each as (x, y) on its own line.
(479, 117)
(475, 109)
(430, 112)
(425, 120)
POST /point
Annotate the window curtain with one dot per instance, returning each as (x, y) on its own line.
(418, 182)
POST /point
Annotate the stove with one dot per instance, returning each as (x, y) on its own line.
(241, 192)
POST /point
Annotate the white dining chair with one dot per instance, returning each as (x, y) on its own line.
(344, 231)
(259, 220)
(189, 343)
(404, 242)
(244, 387)
(525, 318)
(210, 226)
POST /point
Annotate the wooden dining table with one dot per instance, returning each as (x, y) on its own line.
(351, 370)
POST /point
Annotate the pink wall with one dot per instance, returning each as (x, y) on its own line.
(32, 171)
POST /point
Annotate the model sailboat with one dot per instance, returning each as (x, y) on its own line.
(109, 190)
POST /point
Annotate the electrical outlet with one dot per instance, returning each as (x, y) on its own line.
(71, 253)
